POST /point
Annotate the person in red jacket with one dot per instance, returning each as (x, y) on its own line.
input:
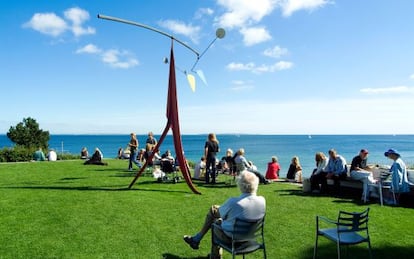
(273, 169)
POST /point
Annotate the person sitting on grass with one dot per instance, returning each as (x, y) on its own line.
(242, 164)
(84, 153)
(96, 159)
(51, 156)
(248, 206)
(227, 162)
(200, 169)
(294, 173)
(273, 169)
(38, 155)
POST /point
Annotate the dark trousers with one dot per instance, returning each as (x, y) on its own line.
(336, 178)
(211, 169)
(317, 179)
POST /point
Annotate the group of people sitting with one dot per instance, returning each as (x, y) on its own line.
(294, 173)
(334, 167)
(95, 159)
(231, 164)
(38, 155)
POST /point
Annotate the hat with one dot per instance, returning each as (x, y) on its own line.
(364, 151)
(391, 151)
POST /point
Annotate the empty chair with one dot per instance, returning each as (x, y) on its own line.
(247, 237)
(351, 228)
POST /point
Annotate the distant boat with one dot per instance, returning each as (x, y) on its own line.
(309, 136)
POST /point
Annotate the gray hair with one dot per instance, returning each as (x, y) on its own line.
(248, 182)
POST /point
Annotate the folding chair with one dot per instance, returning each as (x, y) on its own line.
(351, 229)
(247, 237)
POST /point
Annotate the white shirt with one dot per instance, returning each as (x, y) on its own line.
(321, 166)
(246, 206)
(197, 169)
(52, 156)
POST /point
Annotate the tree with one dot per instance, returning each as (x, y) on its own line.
(28, 134)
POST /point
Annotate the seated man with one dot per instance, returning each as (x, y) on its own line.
(247, 206)
(38, 155)
(51, 156)
(242, 164)
(335, 170)
(361, 171)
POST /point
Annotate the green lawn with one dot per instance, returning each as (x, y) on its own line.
(67, 210)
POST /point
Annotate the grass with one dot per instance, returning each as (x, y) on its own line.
(68, 210)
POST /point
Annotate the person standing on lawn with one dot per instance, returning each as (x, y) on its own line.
(210, 150)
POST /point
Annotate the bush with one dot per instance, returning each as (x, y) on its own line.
(67, 156)
(16, 154)
(22, 154)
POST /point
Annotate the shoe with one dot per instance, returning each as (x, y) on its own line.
(210, 256)
(193, 244)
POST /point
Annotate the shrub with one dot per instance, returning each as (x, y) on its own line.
(67, 156)
(16, 154)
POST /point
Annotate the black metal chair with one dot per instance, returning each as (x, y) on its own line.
(351, 228)
(247, 237)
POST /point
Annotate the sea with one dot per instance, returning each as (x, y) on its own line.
(258, 148)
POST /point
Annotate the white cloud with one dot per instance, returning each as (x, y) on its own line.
(51, 24)
(278, 66)
(241, 13)
(113, 57)
(389, 90)
(240, 66)
(275, 52)
(239, 85)
(119, 59)
(412, 76)
(90, 48)
(254, 35)
(47, 23)
(202, 12)
(291, 6)
(76, 15)
(282, 65)
(180, 27)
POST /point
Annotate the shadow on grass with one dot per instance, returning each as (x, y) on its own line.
(171, 256)
(349, 196)
(328, 250)
(217, 185)
(74, 188)
(72, 178)
(95, 188)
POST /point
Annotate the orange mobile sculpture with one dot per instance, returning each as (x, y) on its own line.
(172, 104)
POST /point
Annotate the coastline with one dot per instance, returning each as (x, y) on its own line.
(259, 148)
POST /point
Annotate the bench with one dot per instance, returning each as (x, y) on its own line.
(351, 186)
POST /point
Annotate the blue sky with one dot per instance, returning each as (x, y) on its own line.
(284, 66)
